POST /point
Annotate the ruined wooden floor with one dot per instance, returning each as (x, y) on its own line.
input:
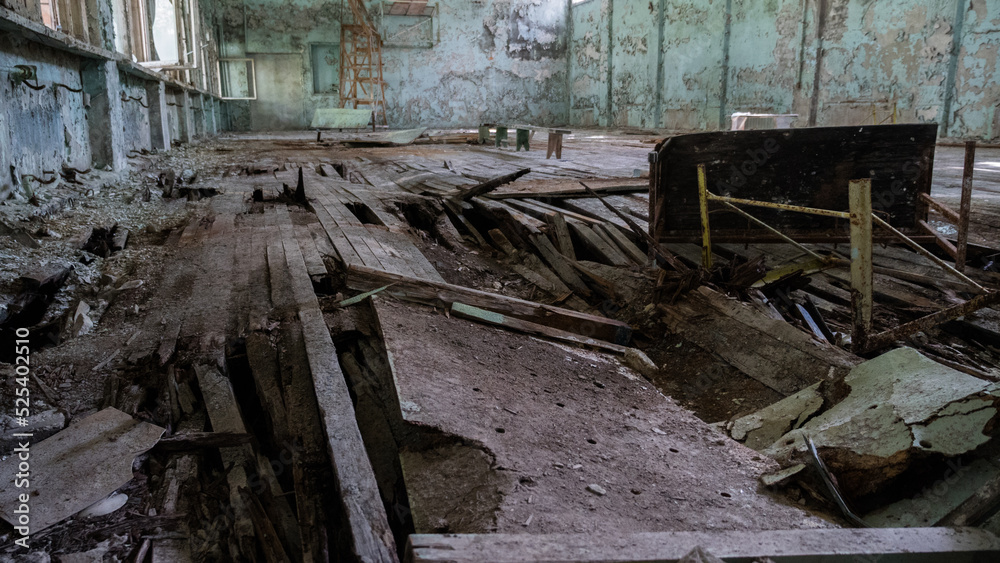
(391, 416)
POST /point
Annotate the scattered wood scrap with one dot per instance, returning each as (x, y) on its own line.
(489, 185)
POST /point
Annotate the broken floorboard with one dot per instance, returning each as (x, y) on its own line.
(897, 545)
(773, 352)
(370, 536)
(522, 427)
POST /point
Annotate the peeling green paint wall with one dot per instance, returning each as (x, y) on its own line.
(675, 64)
(495, 60)
(827, 60)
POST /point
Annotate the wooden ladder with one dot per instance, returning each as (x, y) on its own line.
(361, 79)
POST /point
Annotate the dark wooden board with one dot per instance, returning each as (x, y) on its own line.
(807, 167)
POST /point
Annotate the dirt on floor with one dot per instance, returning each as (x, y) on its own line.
(565, 440)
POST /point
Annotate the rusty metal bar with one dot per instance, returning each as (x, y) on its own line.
(949, 213)
(887, 338)
(944, 243)
(783, 237)
(781, 206)
(706, 235)
(926, 254)
(965, 208)
(861, 261)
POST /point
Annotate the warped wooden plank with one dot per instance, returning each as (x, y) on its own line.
(627, 246)
(773, 352)
(605, 253)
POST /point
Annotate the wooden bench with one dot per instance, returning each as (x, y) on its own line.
(523, 137)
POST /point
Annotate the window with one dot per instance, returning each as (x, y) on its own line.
(325, 64)
(49, 16)
(237, 80)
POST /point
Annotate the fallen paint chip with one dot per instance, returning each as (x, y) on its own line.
(597, 489)
(74, 468)
(104, 506)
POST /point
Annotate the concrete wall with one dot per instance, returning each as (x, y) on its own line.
(496, 60)
(41, 130)
(826, 60)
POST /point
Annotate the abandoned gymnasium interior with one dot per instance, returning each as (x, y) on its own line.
(401, 281)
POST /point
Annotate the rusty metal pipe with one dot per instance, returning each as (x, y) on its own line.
(778, 233)
(781, 206)
(925, 253)
(887, 338)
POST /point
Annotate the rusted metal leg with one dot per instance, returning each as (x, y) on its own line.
(861, 261)
(552, 146)
(966, 207)
(559, 140)
(887, 338)
(925, 253)
(706, 236)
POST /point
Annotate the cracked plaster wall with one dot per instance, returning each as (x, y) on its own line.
(497, 60)
(870, 51)
(45, 129)
(40, 130)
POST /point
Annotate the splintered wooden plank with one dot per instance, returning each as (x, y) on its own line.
(370, 536)
(392, 243)
(560, 231)
(606, 253)
(773, 352)
(259, 297)
(623, 242)
(471, 313)
(224, 413)
(344, 250)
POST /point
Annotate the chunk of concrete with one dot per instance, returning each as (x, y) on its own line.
(764, 427)
(901, 407)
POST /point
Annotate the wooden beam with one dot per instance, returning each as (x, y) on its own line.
(365, 519)
(560, 232)
(832, 545)
(604, 252)
(977, 509)
(489, 185)
(360, 278)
